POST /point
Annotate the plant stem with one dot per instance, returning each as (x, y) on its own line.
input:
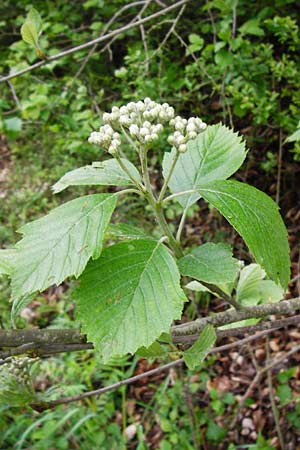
(181, 225)
(167, 179)
(157, 206)
(123, 167)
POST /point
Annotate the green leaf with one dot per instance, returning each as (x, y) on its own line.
(214, 155)
(99, 173)
(196, 43)
(129, 296)
(13, 124)
(155, 350)
(212, 263)
(60, 244)
(252, 289)
(6, 261)
(34, 17)
(124, 231)
(256, 218)
(224, 58)
(295, 136)
(29, 33)
(31, 28)
(252, 27)
(196, 354)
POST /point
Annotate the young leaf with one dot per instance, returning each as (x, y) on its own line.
(6, 261)
(212, 263)
(256, 218)
(129, 296)
(196, 354)
(215, 154)
(29, 34)
(252, 289)
(34, 17)
(60, 244)
(31, 28)
(105, 173)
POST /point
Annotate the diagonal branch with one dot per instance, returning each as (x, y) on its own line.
(95, 41)
(231, 316)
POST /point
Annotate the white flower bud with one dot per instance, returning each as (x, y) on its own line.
(157, 128)
(134, 130)
(192, 135)
(140, 106)
(106, 117)
(115, 109)
(146, 124)
(171, 139)
(114, 116)
(154, 136)
(144, 131)
(180, 139)
(131, 106)
(172, 122)
(124, 110)
(182, 148)
(148, 138)
(133, 115)
(125, 120)
(147, 100)
(191, 127)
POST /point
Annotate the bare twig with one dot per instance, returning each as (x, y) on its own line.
(75, 398)
(269, 366)
(272, 399)
(94, 41)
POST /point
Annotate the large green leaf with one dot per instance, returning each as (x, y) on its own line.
(60, 244)
(129, 296)
(196, 354)
(29, 33)
(214, 155)
(256, 218)
(212, 263)
(6, 261)
(99, 173)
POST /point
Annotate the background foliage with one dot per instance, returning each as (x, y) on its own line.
(228, 60)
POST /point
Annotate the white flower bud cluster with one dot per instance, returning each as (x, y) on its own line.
(144, 121)
(107, 138)
(185, 130)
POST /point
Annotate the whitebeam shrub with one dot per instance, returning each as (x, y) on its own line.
(130, 292)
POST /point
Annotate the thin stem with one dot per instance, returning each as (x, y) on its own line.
(123, 167)
(157, 207)
(179, 194)
(168, 177)
(272, 399)
(181, 225)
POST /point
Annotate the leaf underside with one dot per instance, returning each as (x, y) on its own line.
(60, 244)
(215, 154)
(105, 173)
(129, 296)
(256, 218)
(196, 354)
